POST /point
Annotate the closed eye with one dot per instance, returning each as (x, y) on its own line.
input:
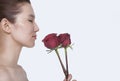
(30, 21)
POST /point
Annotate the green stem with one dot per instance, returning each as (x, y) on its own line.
(66, 58)
(63, 68)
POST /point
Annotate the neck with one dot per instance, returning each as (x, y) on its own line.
(9, 53)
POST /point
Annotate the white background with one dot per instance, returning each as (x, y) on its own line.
(94, 26)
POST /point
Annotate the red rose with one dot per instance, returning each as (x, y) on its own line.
(51, 41)
(64, 39)
(54, 42)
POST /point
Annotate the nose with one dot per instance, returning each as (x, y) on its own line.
(36, 28)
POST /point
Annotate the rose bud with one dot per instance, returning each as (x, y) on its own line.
(64, 39)
(51, 41)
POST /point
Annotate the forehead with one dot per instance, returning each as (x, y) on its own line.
(26, 10)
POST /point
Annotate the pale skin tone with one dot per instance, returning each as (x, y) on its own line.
(14, 36)
(69, 78)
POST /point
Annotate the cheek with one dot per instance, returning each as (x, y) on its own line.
(25, 29)
(23, 35)
(25, 32)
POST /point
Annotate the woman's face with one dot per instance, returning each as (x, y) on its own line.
(24, 29)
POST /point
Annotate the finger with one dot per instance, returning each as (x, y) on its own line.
(74, 80)
(69, 77)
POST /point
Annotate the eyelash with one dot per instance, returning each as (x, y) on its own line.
(30, 20)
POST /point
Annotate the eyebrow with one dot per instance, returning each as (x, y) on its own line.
(31, 15)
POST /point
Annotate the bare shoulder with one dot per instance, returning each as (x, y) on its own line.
(12, 73)
(4, 74)
(22, 70)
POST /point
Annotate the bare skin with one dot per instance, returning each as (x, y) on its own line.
(12, 74)
(69, 78)
(14, 36)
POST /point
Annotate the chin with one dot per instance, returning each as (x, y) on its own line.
(30, 46)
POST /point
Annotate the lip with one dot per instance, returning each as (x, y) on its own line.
(34, 36)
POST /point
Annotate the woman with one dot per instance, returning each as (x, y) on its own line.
(17, 29)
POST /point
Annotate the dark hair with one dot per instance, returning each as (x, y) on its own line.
(10, 8)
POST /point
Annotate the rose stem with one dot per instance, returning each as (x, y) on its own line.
(60, 62)
(66, 57)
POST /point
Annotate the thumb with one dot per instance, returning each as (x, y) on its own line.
(69, 78)
(74, 80)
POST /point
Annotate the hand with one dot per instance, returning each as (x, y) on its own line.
(69, 78)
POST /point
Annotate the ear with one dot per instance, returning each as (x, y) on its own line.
(5, 25)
